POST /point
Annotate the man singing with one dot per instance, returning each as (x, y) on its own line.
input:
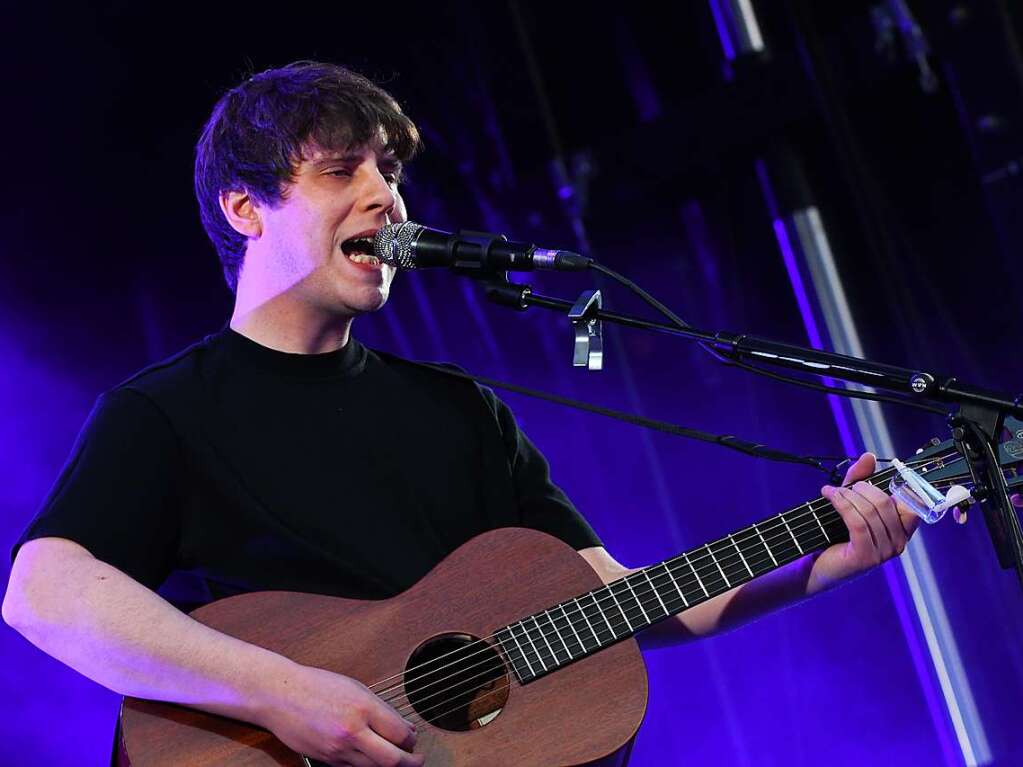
(280, 453)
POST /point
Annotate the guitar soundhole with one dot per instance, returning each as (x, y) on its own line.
(456, 682)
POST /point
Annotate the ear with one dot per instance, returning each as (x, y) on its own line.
(241, 212)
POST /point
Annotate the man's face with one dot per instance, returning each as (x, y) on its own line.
(336, 195)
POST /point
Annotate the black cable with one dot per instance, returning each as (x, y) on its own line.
(730, 441)
(733, 361)
(852, 393)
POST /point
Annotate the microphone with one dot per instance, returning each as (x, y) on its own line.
(412, 246)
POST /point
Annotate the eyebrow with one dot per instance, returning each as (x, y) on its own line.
(388, 159)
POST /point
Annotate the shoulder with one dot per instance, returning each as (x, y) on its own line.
(429, 373)
(168, 376)
(150, 395)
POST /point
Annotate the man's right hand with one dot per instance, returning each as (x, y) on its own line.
(337, 720)
(117, 632)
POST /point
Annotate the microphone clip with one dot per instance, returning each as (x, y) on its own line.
(477, 267)
(589, 331)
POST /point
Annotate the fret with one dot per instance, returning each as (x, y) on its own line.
(644, 591)
(755, 554)
(671, 577)
(695, 575)
(514, 652)
(626, 600)
(639, 602)
(818, 521)
(611, 591)
(593, 614)
(835, 525)
(596, 639)
(805, 531)
(589, 622)
(612, 612)
(769, 552)
(657, 594)
(739, 552)
(781, 540)
(713, 576)
(691, 587)
(545, 640)
(582, 647)
(553, 638)
(522, 648)
(533, 637)
(796, 540)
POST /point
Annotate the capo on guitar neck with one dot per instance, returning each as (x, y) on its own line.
(922, 498)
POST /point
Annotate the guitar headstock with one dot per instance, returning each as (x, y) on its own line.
(938, 478)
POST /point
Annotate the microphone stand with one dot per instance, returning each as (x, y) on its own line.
(976, 423)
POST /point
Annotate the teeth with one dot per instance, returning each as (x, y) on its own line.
(362, 258)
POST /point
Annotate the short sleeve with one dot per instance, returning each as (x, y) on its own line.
(542, 504)
(116, 494)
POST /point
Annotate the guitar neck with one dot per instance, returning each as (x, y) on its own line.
(583, 625)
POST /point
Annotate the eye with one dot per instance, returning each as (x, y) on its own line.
(339, 172)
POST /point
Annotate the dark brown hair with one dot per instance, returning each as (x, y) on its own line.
(255, 137)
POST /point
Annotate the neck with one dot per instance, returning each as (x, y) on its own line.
(284, 336)
(287, 323)
(583, 625)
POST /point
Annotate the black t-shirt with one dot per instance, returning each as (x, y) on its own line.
(233, 467)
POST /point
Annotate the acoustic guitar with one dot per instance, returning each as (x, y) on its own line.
(511, 651)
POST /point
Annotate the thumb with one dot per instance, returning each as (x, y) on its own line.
(861, 469)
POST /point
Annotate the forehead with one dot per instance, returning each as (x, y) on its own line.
(316, 154)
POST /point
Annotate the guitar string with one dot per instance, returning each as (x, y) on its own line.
(529, 637)
(419, 711)
(463, 694)
(568, 652)
(703, 560)
(685, 580)
(729, 566)
(698, 560)
(500, 666)
(1013, 484)
(738, 576)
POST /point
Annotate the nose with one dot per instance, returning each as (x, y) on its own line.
(378, 195)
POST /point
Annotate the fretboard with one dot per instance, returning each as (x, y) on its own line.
(583, 625)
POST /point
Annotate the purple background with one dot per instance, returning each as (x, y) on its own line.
(104, 268)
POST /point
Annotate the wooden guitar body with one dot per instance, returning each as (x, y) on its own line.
(587, 713)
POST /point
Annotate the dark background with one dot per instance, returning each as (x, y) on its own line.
(104, 267)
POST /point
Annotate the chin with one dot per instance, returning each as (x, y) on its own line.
(370, 303)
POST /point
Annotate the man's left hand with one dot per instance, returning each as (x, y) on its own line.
(879, 528)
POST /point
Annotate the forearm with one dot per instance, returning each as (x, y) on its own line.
(782, 587)
(120, 634)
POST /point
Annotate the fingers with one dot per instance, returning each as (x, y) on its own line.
(356, 760)
(862, 468)
(907, 519)
(384, 752)
(861, 535)
(878, 530)
(885, 508)
(881, 539)
(388, 724)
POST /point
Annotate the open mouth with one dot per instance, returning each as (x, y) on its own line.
(360, 250)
